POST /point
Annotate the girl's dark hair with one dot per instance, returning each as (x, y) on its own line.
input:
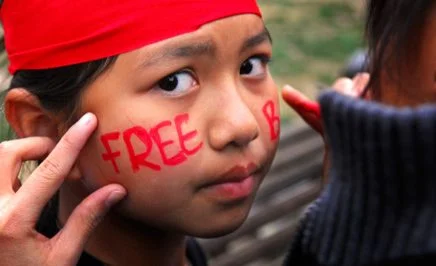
(59, 89)
(393, 30)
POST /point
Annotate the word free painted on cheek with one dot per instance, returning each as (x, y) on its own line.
(269, 110)
(150, 139)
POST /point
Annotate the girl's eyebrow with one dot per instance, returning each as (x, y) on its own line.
(256, 40)
(203, 48)
(195, 49)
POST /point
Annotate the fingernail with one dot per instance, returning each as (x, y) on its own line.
(85, 119)
(114, 197)
(287, 87)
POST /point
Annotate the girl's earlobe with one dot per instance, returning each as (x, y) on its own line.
(27, 117)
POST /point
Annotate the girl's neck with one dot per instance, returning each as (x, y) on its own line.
(120, 241)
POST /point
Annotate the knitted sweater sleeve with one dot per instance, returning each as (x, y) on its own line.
(380, 203)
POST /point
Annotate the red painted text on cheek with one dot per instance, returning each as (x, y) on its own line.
(174, 160)
(110, 155)
(184, 137)
(269, 110)
(146, 140)
(139, 160)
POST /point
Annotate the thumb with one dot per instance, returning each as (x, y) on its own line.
(84, 219)
(308, 110)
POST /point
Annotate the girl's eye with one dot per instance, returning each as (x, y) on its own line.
(254, 66)
(177, 83)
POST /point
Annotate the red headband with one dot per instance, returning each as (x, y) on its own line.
(42, 34)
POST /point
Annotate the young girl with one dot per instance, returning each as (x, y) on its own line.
(187, 128)
(378, 207)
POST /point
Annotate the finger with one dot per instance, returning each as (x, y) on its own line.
(43, 183)
(360, 82)
(344, 86)
(14, 152)
(308, 110)
(85, 218)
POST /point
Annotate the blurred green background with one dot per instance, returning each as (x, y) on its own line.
(5, 131)
(311, 40)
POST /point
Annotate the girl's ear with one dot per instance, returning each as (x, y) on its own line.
(26, 116)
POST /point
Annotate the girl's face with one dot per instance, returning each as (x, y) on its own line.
(188, 125)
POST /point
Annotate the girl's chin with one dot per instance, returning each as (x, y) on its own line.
(216, 232)
(213, 229)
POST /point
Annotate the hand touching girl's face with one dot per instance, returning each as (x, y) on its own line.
(188, 125)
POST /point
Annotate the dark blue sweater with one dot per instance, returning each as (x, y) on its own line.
(379, 207)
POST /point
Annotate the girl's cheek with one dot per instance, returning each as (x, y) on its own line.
(270, 112)
(272, 118)
(165, 144)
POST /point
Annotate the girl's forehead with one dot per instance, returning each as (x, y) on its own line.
(206, 41)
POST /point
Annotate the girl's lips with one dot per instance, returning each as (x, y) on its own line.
(232, 190)
(235, 184)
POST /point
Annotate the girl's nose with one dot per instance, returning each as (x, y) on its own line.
(234, 126)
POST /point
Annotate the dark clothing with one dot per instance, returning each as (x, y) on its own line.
(194, 253)
(47, 226)
(379, 207)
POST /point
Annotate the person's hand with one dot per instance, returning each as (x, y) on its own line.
(353, 87)
(306, 108)
(310, 112)
(20, 207)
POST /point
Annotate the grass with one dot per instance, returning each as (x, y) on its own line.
(5, 131)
